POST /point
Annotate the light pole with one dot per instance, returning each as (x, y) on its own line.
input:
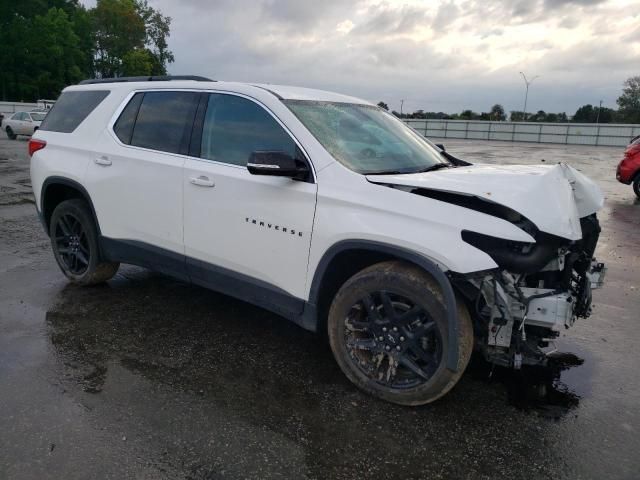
(598, 116)
(526, 94)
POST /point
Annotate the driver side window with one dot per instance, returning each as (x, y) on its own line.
(234, 127)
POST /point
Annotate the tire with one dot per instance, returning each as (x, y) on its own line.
(360, 342)
(74, 240)
(10, 134)
(636, 185)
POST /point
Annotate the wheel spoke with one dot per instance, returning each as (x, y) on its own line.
(423, 329)
(370, 306)
(362, 343)
(422, 354)
(64, 226)
(81, 257)
(389, 311)
(357, 325)
(64, 251)
(409, 316)
(410, 364)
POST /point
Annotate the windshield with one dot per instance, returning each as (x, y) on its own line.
(366, 139)
(38, 117)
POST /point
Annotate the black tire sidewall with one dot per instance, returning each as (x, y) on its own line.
(411, 283)
(80, 210)
(10, 134)
(636, 185)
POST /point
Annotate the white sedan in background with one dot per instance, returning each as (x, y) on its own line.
(22, 123)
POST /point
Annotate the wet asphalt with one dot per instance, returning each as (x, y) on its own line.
(150, 378)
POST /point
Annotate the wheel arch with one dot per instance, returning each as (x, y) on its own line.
(345, 258)
(58, 189)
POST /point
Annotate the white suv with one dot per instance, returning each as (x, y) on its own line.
(326, 210)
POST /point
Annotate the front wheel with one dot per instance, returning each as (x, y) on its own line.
(10, 134)
(389, 334)
(74, 239)
(636, 185)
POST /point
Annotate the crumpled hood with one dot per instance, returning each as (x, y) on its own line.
(553, 197)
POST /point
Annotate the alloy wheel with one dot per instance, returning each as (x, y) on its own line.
(72, 244)
(393, 340)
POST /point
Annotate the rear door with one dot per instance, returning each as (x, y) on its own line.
(136, 178)
(246, 235)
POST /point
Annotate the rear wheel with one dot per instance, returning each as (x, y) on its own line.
(636, 185)
(389, 334)
(74, 239)
(10, 134)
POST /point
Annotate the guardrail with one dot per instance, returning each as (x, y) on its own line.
(603, 134)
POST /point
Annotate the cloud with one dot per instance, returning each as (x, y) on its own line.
(436, 55)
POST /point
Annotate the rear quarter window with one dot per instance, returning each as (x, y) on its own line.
(71, 109)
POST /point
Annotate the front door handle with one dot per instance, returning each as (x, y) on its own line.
(102, 160)
(202, 181)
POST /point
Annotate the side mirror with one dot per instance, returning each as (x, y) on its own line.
(441, 147)
(277, 164)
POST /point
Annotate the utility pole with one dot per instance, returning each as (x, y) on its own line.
(598, 116)
(401, 105)
(526, 94)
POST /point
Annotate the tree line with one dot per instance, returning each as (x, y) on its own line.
(628, 111)
(46, 45)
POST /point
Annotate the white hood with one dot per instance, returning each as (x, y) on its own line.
(553, 197)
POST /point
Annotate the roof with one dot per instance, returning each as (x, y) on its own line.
(300, 93)
(283, 92)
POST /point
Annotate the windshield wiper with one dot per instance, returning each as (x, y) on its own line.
(388, 172)
(437, 166)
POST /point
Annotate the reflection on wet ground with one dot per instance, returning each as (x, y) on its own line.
(89, 335)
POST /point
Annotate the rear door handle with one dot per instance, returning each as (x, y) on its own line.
(202, 181)
(102, 160)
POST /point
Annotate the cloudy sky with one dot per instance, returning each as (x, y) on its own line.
(437, 55)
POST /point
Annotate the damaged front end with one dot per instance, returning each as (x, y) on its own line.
(538, 290)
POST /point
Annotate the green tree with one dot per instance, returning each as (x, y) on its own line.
(123, 29)
(118, 28)
(468, 115)
(55, 57)
(138, 62)
(497, 113)
(157, 28)
(40, 52)
(629, 101)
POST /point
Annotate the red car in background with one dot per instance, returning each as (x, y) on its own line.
(629, 167)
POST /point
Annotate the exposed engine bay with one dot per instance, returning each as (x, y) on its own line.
(519, 309)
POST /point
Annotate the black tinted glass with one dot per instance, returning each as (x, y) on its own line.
(164, 121)
(234, 127)
(124, 126)
(71, 109)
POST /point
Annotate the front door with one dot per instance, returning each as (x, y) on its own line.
(244, 234)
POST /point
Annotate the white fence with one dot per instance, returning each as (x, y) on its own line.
(9, 108)
(604, 134)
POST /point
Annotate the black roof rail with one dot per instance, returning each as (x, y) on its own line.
(157, 78)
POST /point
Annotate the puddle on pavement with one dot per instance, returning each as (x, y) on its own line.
(552, 391)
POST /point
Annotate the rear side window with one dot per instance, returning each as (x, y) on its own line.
(71, 109)
(124, 126)
(164, 121)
